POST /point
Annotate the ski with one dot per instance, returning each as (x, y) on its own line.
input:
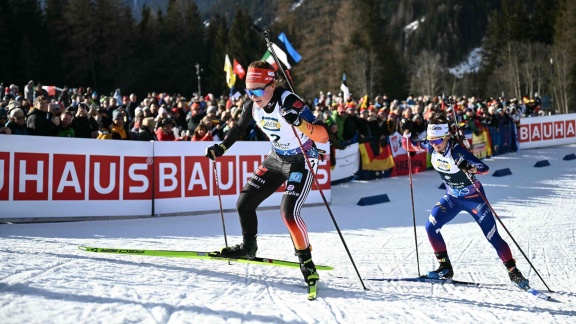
(536, 293)
(312, 287)
(431, 280)
(532, 291)
(215, 256)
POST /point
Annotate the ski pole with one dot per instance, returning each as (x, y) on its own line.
(266, 34)
(412, 197)
(504, 226)
(219, 199)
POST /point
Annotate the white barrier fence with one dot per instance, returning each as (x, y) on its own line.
(49, 177)
(547, 131)
(67, 177)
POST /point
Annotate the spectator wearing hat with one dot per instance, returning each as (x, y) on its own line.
(165, 131)
(64, 129)
(146, 111)
(179, 119)
(382, 119)
(83, 124)
(347, 129)
(29, 92)
(146, 132)
(136, 124)
(17, 122)
(105, 131)
(118, 130)
(40, 122)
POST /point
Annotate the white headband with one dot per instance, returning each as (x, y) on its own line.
(437, 130)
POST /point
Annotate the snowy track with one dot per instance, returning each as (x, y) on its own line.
(44, 278)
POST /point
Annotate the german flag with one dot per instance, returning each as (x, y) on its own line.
(375, 156)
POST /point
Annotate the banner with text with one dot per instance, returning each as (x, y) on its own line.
(69, 177)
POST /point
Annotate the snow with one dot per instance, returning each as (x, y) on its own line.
(44, 278)
(471, 64)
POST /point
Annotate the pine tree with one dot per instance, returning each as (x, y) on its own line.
(216, 42)
(244, 44)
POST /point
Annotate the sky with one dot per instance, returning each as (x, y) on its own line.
(45, 278)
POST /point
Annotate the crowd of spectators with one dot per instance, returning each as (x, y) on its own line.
(84, 113)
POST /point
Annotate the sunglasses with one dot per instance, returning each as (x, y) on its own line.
(258, 92)
(437, 141)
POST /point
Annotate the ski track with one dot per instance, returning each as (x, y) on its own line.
(44, 278)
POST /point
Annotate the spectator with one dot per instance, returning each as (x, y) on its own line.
(84, 125)
(136, 124)
(165, 131)
(3, 116)
(392, 123)
(154, 109)
(4, 121)
(180, 123)
(347, 128)
(64, 129)
(40, 122)
(213, 123)
(229, 124)
(194, 116)
(17, 122)
(382, 119)
(29, 93)
(112, 105)
(146, 132)
(364, 131)
(132, 105)
(118, 131)
(418, 125)
(201, 133)
(105, 131)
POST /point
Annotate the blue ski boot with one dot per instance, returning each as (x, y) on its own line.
(444, 271)
(515, 275)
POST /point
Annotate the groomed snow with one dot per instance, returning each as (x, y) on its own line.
(44, 278)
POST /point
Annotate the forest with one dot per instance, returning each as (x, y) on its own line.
(393, 47)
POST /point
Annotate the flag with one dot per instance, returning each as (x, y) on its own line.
(288, 48)
(284, 51)
(344, 88)
(239, 70)
(230, 76)
(375, 156)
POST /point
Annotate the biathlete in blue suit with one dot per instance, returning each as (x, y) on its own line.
(452, 161)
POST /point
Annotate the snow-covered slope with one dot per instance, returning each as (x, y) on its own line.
(44, 278)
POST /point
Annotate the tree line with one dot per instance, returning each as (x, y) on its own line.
(526, 46)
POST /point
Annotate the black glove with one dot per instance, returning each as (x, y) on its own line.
(405, 125)
(464, 165)
(216, 150)
(292, 116)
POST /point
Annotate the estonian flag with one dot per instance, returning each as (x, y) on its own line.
(285, 52)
